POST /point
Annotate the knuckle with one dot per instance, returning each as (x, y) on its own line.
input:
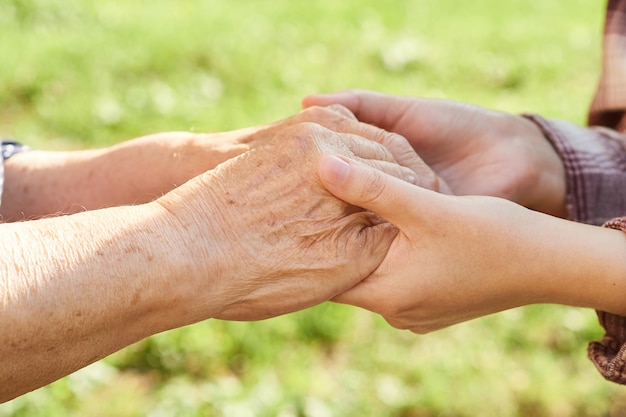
(303, 129)
(313, 110)
(336, 111)
(395, 141)
(301, 135)
(334, 116)
(342, 110)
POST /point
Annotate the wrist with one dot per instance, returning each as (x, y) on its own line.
(545, 183)
(196, 248)
(602, 273)
(575, 264)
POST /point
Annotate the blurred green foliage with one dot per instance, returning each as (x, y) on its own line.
(83, 73)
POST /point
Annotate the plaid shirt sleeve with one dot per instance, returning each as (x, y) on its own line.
(595, 165)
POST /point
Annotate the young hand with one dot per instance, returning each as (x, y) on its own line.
(456, 258)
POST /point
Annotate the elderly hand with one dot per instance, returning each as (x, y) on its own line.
(41, 183)
(257, 237)
(475, 151)
(339, 119)
(280, 241)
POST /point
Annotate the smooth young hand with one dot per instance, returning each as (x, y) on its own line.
(457, 258)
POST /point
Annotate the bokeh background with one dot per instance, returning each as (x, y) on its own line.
(81, 73)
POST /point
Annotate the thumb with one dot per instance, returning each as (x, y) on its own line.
(361, 185)
(378, 109)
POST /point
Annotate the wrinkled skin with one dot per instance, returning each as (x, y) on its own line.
(45, 183)
(284, 242)
(254, 238)
(338, 118)
(475, 151)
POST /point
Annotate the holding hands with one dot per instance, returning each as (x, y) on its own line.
(457, 257)
(332, 203)
(255, 237)
(280, 240)
(475, 151)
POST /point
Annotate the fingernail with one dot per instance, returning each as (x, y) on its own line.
(334, 169)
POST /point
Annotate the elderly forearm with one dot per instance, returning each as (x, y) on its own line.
(74, 289)
(40, 183)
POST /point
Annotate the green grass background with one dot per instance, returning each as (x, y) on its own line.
(80, 73)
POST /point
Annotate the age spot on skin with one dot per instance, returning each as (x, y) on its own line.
(283, 161)
(272, 238)
(131, 249)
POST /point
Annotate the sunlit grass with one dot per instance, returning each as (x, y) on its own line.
(89, 73)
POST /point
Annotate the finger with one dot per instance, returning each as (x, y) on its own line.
(381, 110)
(364, 186)
(328, 116)
(405, 155)
(338, 118)
(371, 153)
(341, 110)
(367, 149)
(399, 147)
(392, 168)
(389, 168)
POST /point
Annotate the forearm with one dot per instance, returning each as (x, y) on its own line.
(40, 183)
(570, 263)
(74, 289)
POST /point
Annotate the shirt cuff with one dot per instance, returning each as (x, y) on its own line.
(595, 167)
(8, 148)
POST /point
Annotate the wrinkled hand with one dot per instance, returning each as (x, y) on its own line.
(475, 151)
(280, 240)
(453, 259)
(334, 117)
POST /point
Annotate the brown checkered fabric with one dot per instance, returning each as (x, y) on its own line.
(607, 108)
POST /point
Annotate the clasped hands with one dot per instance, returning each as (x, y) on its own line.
(437, 259)
(427, 212)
